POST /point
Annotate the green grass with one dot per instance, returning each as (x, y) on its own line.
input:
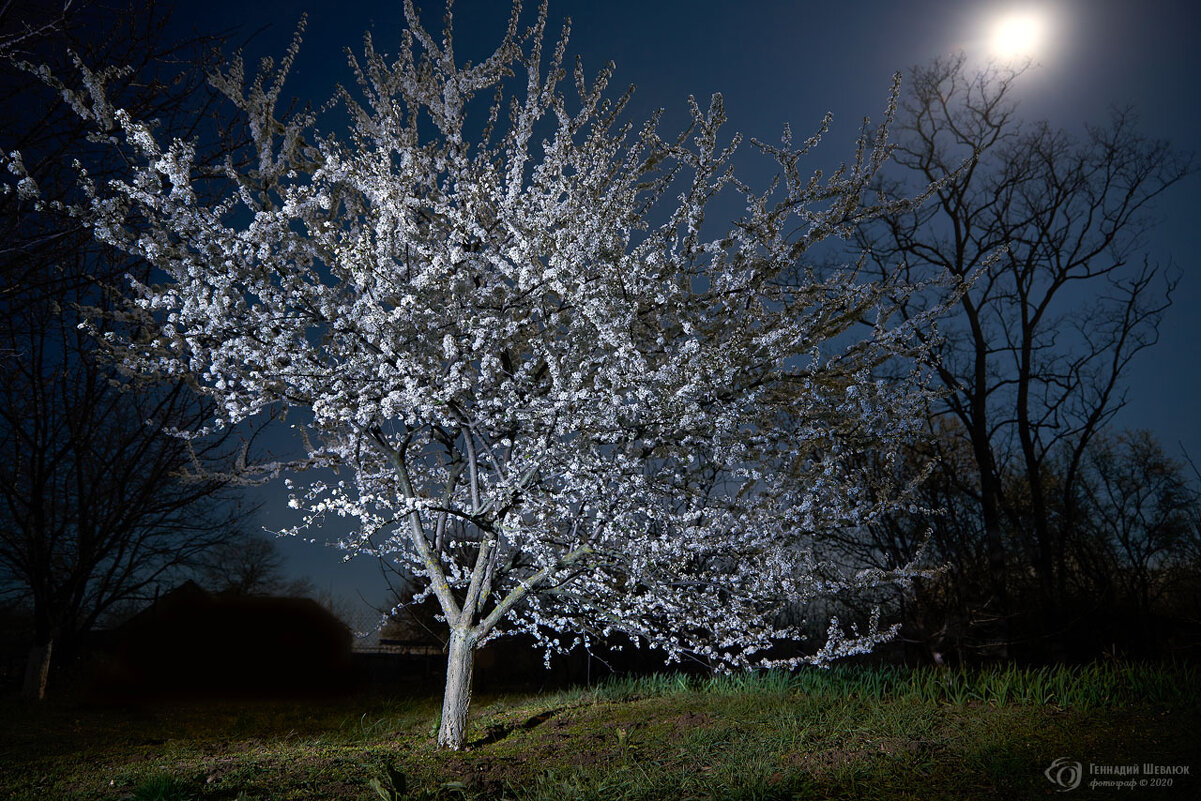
(845, 732)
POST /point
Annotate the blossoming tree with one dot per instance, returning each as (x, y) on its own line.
(542, 382)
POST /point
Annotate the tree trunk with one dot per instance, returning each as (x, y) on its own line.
(37, 670)
(456, 699)
(997, 630)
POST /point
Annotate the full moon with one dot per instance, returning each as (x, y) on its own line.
(1018, 34)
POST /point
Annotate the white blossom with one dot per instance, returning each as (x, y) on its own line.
(563, 398)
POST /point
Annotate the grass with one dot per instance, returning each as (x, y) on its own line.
(840, 733)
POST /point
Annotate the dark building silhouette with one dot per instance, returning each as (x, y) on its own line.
(191, 641)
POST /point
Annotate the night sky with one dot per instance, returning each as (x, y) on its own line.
(778, 62)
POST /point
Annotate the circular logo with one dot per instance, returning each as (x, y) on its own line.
(1065, 774)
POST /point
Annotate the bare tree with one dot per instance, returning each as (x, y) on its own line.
(1051, 228)
(95, 509)
(1139, 510)
(246, 564)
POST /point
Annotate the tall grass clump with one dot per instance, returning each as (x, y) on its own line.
(766, 682)
(1095, 685)
(631, 688)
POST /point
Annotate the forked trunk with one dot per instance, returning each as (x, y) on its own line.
(37, 670)
(457, 697)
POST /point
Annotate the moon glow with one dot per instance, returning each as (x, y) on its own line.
(1018, 34)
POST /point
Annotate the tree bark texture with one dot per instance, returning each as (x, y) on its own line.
(456, 700)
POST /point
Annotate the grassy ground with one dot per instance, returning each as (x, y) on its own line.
(844, 733)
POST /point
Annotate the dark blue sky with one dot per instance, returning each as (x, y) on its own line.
(778, 62)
